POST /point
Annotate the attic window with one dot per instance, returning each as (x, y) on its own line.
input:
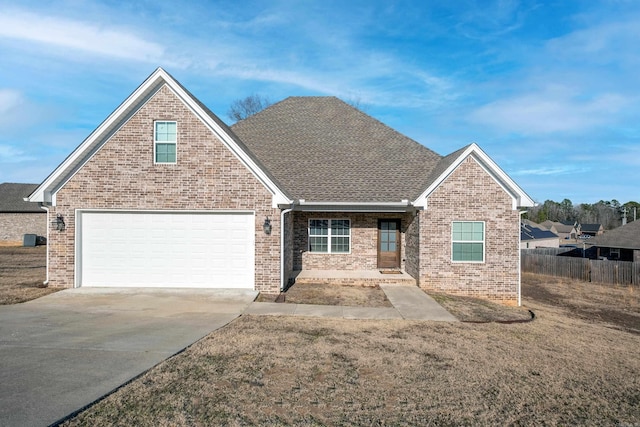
(165, 141)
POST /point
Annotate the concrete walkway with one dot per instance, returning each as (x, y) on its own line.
(409, 302)
(63, 351)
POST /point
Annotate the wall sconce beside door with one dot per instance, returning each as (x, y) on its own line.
(267, 226)
(59, 223)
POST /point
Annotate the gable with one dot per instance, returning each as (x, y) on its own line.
(487, 168)
(123, 172)
(158, 80)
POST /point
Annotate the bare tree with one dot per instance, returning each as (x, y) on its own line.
(242, 108)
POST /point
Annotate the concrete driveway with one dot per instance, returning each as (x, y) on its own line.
(63, 351)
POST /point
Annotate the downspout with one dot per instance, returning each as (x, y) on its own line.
(520, 260)
(46, 282)
(282, 214)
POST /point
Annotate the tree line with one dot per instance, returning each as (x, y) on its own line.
(607, 213)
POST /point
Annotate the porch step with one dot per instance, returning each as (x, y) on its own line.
(354, 278)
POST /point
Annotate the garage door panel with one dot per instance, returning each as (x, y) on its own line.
(166, 249)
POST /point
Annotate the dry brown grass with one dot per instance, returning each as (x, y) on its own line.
(561, 369)
(325, 294)
(22, 271)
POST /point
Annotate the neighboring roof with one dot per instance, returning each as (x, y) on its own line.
(531, 232)
(590, 228)
(559, 226)
(12, 198)
(47, 190)
(625, 237)
(323, 149)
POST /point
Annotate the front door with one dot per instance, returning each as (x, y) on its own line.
(389, 243)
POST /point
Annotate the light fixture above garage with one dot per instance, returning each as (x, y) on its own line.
(267, 226)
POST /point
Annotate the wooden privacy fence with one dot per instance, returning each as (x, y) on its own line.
(613, 272)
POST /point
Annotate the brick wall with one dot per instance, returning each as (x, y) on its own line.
(207, 176)
(13, 226)
(470, 194)
(364, 241)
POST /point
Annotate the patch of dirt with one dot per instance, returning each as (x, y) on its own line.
(22, 271)
(325, 294)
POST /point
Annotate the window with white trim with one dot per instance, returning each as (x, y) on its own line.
(332, 236)
(467, 241)
(165, 138)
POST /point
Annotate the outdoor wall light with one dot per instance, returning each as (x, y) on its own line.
(59, 223)
(267, 226)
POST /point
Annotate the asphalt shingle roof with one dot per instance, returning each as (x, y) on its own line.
(12, 198)
(624, 237)
(531, 232)
(323, 150)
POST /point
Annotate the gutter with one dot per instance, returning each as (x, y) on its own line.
(402, 206)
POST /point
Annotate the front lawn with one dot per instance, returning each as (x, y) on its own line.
(567, 367)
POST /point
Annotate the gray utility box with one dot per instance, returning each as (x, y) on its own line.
(29, 240)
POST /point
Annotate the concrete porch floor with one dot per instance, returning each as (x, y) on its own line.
(354, 277)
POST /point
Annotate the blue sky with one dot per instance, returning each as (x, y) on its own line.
(549, 89)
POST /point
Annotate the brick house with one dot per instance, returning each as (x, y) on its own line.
(163, 193)
(18, 217)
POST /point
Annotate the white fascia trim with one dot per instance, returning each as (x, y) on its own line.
(402, 206)
(519, 197)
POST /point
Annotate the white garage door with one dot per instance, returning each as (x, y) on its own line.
(151, 249)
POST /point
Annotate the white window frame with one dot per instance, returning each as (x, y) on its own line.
(329, 236)
(156, 142)
(484, 244)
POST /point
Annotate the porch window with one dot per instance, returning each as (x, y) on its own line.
(467, 241)
(330, 236)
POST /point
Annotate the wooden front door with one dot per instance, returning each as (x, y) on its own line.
(389, 243)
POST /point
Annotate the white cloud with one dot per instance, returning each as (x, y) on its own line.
(10, 154)
(550, 170)
(9, 100)
(552, 110)
(88, 37)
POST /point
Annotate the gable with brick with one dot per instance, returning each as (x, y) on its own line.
(163, 193)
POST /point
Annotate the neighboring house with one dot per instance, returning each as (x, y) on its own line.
(591, 230)
(568, 230)
(533, 235)
(163, 193)
(622, 243)
(18, 217)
